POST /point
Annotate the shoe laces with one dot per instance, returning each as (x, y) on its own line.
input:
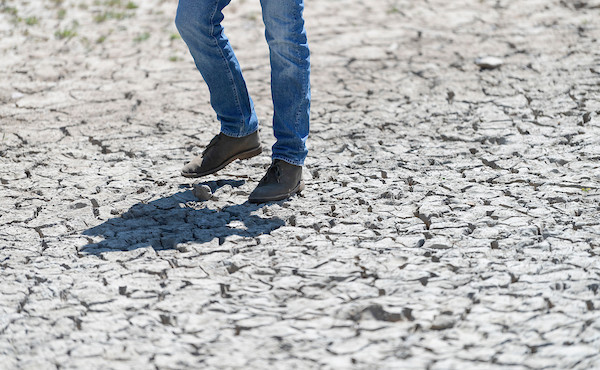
(212, 143)
(273, 174)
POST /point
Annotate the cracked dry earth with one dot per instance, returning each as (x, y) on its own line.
(450, 220)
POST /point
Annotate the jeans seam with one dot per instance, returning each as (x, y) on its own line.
(302, 77)
(231, 79)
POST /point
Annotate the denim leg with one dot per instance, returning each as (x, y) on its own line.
(199, 23)
(290, 77)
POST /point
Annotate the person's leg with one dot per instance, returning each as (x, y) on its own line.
(290, 77)
(290, 88)
(199, 23)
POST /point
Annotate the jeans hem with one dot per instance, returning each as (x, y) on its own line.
(237, 133)
(290, 161)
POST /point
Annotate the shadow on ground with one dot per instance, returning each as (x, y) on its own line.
(166, 222)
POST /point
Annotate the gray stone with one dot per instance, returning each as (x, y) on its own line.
(489, 62)
(202, 192)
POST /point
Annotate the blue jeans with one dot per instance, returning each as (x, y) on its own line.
(199, 23)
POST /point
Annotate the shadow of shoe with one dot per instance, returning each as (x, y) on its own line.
(180, 218)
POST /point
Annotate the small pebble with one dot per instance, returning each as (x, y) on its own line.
(489, 62)
(202, 192)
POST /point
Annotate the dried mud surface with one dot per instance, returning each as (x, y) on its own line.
(450, 220)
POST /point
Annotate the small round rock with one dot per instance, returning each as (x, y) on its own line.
(489, 62)
(202, 192)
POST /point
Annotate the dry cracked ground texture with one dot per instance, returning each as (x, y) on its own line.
(451, 217)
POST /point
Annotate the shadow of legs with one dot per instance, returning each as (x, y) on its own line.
(166, 222)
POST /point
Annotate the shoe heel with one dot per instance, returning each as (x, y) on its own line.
(301, 186)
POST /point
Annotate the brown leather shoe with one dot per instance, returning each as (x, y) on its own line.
(281, 181)
(221, 151)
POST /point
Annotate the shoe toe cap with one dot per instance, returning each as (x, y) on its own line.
(194, 166)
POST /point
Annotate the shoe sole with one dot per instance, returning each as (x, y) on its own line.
(243, 155)
(275, 198)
